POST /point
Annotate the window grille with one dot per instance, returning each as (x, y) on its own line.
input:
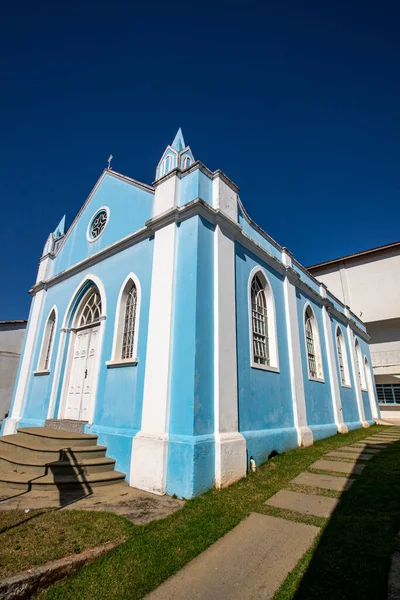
(312, 364)
(51, 325)
(388, 393)
(128, 336)
(261, 353)
(340, 357)
(98, 224)
(92, 310)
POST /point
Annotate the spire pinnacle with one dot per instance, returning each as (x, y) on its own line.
(178, 143)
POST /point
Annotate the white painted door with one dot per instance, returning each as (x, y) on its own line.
(81, 378)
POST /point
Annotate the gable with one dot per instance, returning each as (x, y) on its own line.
(127, 206)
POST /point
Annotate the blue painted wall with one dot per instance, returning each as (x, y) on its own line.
(120, 391)
(265, 397)
(130, 207)
(191, 455)
(258, 237)
(195, 185)
(351, 415)
(319, 407)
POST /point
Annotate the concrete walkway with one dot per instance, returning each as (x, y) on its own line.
(253, 560)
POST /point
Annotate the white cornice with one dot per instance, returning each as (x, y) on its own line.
(199, 208)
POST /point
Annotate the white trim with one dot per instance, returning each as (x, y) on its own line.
(150, 445)
(127, 362)
(93, 279)
(359, 356)
(119, 320)
(304, 433)
(88, 234)
(317, 345)
(11, 423)
(357, 388)
(230, 445)
(39, 372)
(39, 367)
(271, 316)
(345, 358)
(371, 389)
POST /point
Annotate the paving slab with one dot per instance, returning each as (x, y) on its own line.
(374, 443)
(385, 439)
(307, 504)
(325, 482)
(352, 455)
(250, 562)
(338, 466)
(362, 448)
(394, 578)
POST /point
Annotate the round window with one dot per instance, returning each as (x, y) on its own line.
(98, 224)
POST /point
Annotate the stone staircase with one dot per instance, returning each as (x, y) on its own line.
(43, 458)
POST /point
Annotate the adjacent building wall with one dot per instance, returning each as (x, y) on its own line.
(11, 340)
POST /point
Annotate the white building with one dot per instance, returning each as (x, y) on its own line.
(368, 282)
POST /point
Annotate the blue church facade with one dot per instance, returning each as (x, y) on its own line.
(184, 336)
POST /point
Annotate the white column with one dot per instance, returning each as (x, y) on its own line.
(356, 379)
(150, 446)
(230, 445)
(333, 376)
(26, 368)
(304, 433)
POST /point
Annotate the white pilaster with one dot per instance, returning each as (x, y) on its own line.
(353, 360)
(11, 423)
(224, 196)
(150, 446)
(230, 445)
(304, 433)
(333, 376)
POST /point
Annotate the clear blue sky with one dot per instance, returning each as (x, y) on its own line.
(297, 102)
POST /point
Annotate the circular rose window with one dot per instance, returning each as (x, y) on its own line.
(98, 224)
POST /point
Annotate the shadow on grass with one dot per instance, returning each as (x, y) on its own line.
(69, 479)
(352, 556)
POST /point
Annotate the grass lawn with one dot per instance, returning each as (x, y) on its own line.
(349, 560)
(34, 538)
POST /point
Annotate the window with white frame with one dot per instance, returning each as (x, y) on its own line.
(47, 343)
(313, 348)
(126, 324)
(128, 335)
(264, 351)
(359, 365)
(186, 162)
(342, 358)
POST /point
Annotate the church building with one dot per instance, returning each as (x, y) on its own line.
(169, 324)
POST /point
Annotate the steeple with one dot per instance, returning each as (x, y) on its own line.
(176, 155)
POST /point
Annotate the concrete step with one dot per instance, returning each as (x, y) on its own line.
(37, 467)
(34, 447)
(66, 425)
(358, 450)
(350, 455)
(325, 482)
(57, 438)
(337, 466)
(52, 481)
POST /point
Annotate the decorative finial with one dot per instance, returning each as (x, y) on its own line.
(109, 161)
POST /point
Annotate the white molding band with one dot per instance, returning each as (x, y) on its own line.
(304, 433)
(332, 370)
(230, 445)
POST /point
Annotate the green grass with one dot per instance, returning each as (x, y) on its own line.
(34, 538)
(155, 551)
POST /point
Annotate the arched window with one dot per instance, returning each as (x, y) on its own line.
(263, 344)
(126, 324)
(128, 336)
(314, 359)
(92, 309)
(47, 342)
(186, 162)
(359, 365)
(342, 358)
